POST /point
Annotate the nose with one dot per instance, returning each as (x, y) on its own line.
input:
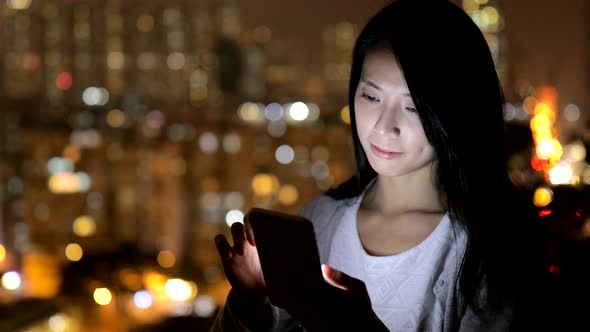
(387, 123)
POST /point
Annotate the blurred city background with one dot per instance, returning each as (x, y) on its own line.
(132, 132)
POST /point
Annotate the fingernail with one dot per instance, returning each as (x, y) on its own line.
(335, 274)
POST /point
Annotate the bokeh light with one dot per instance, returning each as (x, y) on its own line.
(571, 112)
(145, 23)
(57, 323)
(84, 226)
(142, 299)
(72, 153)
(265, 184)
(11, 280)
(574, 152)
(95, 96)
(209, 143)
(542, 197)
(102, 296)
(234, 216)
(549, 149)
(64, 81)
(232, 143)
(116, 118)
(84, 181)
(284, 154)
(74, 252)
(320, 170)
(345, 115)
(180, 290)
(288, 194)
(63, 183)
(176, 61)
(540, 121)
(155, 119)
(166, 259)
(18, 4)
(59, 165)
(204, 306)
(544, 109)
(298, 111)
(274, 112)
(251, 112)
(314, 112)
(116, 60)
(154, 282)
(562, 173)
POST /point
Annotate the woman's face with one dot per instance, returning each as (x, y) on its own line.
(388, 125)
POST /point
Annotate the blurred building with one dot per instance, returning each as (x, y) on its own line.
(157, 123)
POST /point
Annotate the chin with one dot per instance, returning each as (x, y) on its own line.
(386, 171)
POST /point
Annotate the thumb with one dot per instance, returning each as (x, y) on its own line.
(340, 279)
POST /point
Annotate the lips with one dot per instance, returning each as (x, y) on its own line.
(383, 153)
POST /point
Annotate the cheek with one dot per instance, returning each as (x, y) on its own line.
(420, 142)
(427, 150)
(362, 127)
(363, 119)
(358, 119)
(418, 130)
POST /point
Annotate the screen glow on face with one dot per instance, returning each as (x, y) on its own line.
(388, 125)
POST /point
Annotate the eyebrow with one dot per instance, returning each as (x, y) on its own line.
(369, 83)
(372, 84)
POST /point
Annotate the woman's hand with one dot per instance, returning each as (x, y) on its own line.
(241, 263)
(342, 304)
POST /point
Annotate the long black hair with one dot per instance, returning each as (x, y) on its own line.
(453, 82)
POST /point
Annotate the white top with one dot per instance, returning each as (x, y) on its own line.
(415, 290)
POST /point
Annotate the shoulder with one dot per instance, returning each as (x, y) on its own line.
(322, 209)
(318, 207)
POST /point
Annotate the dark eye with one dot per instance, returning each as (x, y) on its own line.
(412, 109)
(369, 98)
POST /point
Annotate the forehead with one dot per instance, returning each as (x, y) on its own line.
(381, 65)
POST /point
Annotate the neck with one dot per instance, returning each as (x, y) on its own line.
(412, 192)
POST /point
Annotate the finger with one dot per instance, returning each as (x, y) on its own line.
(249, 232)
(223, 247)
(239, 237)
(342, 280)
(329, 277)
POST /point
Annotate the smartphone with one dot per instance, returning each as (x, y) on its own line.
(288, 254)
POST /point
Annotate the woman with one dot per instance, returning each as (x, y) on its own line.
(429, 234)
